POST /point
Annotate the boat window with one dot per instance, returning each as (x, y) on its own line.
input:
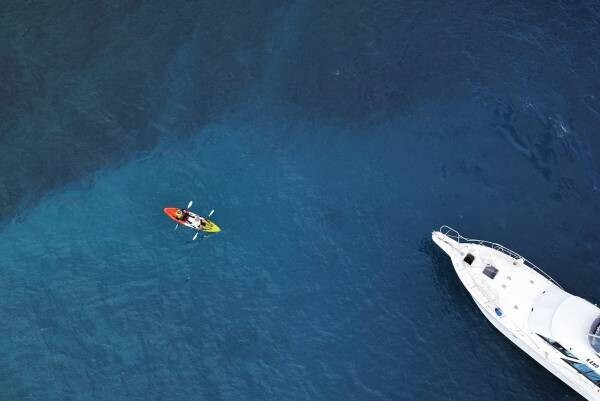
(490, 271)
(586, 371)
(558, 347)
(593, 376)
(581, 367)
(469, 258)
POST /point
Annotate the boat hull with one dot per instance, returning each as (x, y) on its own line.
(540, 356)
(521, 336)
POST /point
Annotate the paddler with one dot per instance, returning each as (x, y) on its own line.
(181, 214)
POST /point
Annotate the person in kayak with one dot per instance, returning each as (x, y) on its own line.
(184, 216)
(181, 214)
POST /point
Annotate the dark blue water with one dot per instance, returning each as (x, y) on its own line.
(331, 138)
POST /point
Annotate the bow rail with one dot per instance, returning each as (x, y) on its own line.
(455, 235)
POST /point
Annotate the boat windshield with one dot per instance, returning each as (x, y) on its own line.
(594, 335)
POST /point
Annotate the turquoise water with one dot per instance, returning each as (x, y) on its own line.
(330, 139)
(323, 283)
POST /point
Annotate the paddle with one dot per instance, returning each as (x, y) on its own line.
(195, 236)
(211, 212)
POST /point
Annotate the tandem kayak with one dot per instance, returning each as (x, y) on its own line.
(191, 220)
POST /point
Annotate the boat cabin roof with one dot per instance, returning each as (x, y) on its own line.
(565, 318)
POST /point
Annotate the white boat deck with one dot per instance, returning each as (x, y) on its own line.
(524, 303)
(515, 287)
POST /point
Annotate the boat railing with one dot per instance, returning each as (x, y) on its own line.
(455, 235)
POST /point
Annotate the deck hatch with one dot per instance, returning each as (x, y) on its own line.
(469, 259)
(490, 271)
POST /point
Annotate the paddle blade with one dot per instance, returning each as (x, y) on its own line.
(189, 205)
(211, 212)
(176, 225)
(195, 236)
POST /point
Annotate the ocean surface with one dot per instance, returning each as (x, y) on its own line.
(331, 137)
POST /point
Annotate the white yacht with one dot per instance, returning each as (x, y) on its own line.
(559, 330)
